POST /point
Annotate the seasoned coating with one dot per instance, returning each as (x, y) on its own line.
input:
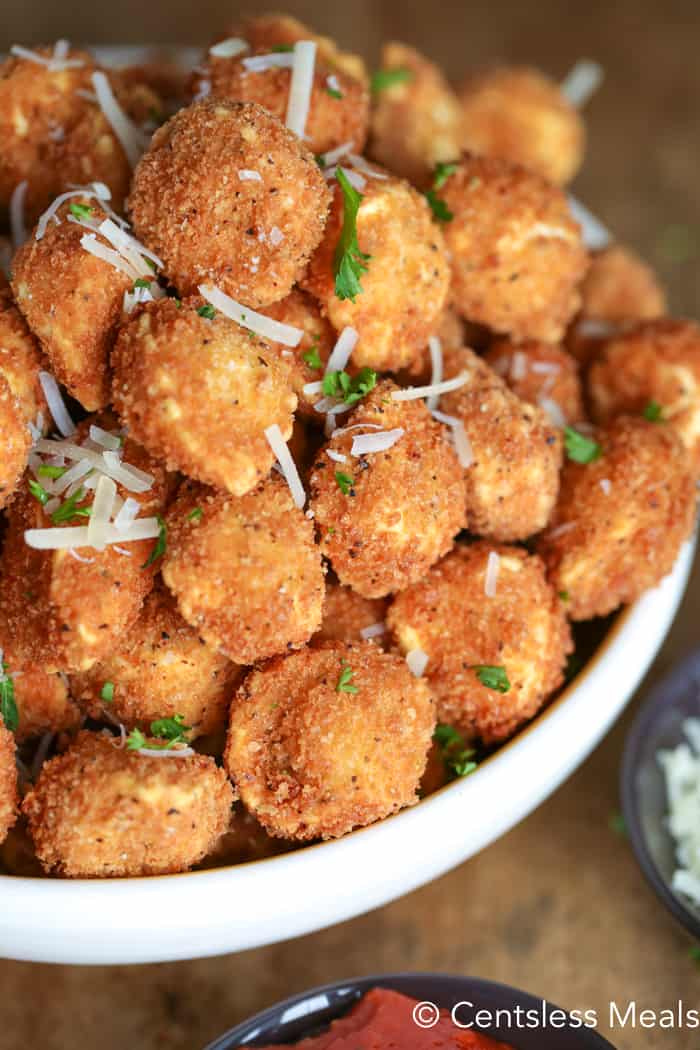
(99, 810)
(313, 760)
(64, 614)
(246, 572)
(620, 520)
(401, 508)
(198, 392)
(53, 134)
(417, 121)
(20, 360)
(302, 311)
(517, 255)
(72, 302)
(405, 287)
(513, 479)
(520, 115)
(542, 374)
(15, 441)
(346, 613)
(158, 669)
(250, 237)
(653, 366)
(43, 702)
(451, 331)
(338, 107)
(620, 287)
(522, 628)
(9, 796)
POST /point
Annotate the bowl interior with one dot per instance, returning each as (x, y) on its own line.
(659, 726)
(309, 1013)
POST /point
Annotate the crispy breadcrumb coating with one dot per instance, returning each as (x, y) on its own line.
(620, 521)
(160, 668)
(299, 364)
(522, 629)
(9, 796)
(246, 571)
(517, 255)
(99, 810)
(346, 613)
(329, 739)
(400, 509)
(250, 237)
(72, 302)
(651, 368)
(21, 360)
(15, 441)
(417, 121)
(620, 287)
(520, 115)
(44, 704)
(405, 287)
(199, 391)
(543, 374)
(513, 479)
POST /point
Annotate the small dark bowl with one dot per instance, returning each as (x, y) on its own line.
(658, 726)
(309, 1013)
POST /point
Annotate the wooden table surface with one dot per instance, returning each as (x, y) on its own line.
(557, 906)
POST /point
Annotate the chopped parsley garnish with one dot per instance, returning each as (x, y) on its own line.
(442, 174)
(580, 448)
(492, 677)
(457, 757)
(47, 471)
(195, 515)
(283, 47)
(312, 358)
(616, 823)
(107, 692)
(320, 159)
(70, 508)
(349, 262)
(207, 311)
(653, 412)
(141, 282)
(8, 704)
(388, 78)
(171, 730)
(160, 545)
(344, 683)
(149, 262)
(38, 492)
(438, 207)
(333, 92)
(81, 211)
(349, 389)
(345, 482)
(564, 595)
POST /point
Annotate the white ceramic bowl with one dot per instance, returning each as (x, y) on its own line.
(231, 909)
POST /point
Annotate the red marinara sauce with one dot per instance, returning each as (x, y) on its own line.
(383, 1020)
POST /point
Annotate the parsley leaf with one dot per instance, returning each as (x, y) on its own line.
(333, 92)
(492, 677)
(38, 492)
(81, 211)
(282, 47)
(207, 311)
(312, 358)
(580, 449)
(160, 545)
(141, 282)
(172, 729)
(8, 704)
(442, 174)
(349, 389)
(344, 684)
(438, 207)
(70, 509)
(107, 692)
(349, 261)
(653, 412)
(564, 596)
(135, 740)
(388, 78)
(47, 471)
(345, 482)
(195, 515)
(458, 759)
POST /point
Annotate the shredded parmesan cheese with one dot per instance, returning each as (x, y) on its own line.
(275, 60)
(101, 512)
(364, 444)
(58, 61)
(582, 82)
(131, 138)
(460, 437)
(435, 348)
(17, 227)
(606, 485)
(57, 407)
(229, 48)
(248, 175)
(263, 326)
(554, 412)
(417, 662)
(170, 752)
(518, 366)
(77, 536)
(374, 630)
(595, 235)
(340, 354)
(493, 566)
(301, 86)
(337, 457)
(104, 438)
(287, 465)
(412, 393)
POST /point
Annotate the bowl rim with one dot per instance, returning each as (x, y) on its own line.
(644, 720)
(398, 981)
